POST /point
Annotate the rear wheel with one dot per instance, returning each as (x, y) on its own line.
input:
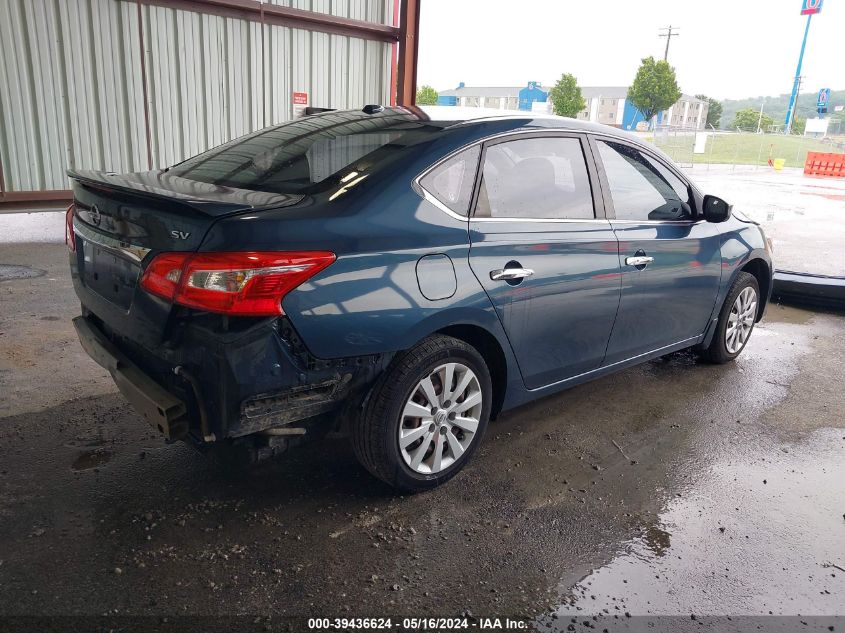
(736, 320)
(426, 415)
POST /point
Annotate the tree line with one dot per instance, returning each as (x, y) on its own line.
(655, 89)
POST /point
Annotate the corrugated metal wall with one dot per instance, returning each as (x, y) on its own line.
(71, 89)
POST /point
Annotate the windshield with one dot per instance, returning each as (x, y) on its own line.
(311, 154)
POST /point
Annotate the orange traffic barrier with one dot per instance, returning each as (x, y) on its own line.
(823, 164)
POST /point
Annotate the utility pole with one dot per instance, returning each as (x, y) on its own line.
(668, 35)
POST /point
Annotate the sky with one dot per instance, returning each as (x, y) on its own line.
(727, 49)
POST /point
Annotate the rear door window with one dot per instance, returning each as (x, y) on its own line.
(451, 181)
(535, 178)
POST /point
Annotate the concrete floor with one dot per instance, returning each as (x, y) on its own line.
(672, 488)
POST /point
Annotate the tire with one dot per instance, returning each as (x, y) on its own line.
(722, 348)
(399, 392)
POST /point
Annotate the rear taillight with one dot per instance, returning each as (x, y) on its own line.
(163, 274)
(70, 238)
(240, 284)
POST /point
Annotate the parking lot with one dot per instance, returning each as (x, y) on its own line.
(801, 214)
(671, 488)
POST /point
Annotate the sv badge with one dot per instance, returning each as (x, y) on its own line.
(180, 235)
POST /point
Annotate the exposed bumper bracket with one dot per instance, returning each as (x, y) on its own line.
(164, 411)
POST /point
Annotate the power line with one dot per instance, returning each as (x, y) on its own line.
(669, 34)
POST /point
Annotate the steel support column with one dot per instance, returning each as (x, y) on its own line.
(409, 35)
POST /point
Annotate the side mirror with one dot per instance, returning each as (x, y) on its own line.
(716, 209)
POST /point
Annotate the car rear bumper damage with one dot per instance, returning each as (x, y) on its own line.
(160, 408)
(217, 386)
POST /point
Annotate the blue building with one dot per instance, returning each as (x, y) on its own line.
(503, 98)
(532, 94)
(445, 99)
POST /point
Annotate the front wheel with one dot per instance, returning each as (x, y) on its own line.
(736, 320)
(425, 416)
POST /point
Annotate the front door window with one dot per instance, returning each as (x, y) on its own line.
(641, 188)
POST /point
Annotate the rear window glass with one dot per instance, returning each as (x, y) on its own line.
(451, 182)
(309, 155)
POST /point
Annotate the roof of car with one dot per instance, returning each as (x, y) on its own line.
(452, 118)
(465, 115)
(449, 117)
(458, 115)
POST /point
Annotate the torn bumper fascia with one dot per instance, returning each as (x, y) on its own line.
(257, 378)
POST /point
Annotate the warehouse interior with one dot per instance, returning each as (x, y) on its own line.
(131, 85)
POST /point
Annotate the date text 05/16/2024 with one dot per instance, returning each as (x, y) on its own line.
(417, 624)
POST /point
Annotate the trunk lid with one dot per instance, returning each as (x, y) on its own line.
(122, 221)
(159, 211)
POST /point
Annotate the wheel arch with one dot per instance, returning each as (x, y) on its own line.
(491, 350)
(763, 273)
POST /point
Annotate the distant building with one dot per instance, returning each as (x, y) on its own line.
(608, 105)
(504, 98)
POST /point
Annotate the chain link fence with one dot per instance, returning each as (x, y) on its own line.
(690, 147)
(679, 143)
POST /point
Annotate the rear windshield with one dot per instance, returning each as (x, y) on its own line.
(311, 154)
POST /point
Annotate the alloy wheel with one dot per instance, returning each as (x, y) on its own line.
(741, 320)
(440, 418)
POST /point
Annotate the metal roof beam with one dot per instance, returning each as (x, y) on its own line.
(267, 13)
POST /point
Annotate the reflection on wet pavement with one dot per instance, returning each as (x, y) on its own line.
(743, 539)
(754, 524)
(803, 215)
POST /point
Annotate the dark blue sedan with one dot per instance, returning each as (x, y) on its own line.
(402, 275)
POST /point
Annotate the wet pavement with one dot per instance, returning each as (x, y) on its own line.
(804, 215)
(38, 226)
(673, 488)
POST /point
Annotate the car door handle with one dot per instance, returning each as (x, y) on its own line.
(505, 274)
(638, 260)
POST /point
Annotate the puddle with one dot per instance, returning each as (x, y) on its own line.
(91, 459)
(745, 537)
(786, 314)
